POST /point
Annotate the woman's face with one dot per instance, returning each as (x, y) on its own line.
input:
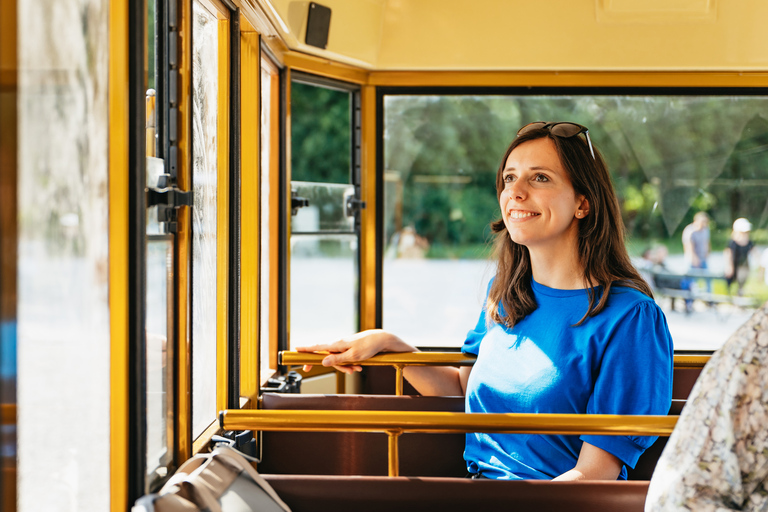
(538, 203)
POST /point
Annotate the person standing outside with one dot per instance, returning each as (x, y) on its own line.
(696, 247)
(737, 254)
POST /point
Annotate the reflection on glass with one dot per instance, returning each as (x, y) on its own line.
(326, 210)
(323, 288)
(204, 183)
(159, 304)
(670, 157)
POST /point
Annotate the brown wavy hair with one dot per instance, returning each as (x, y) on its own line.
(601, 248)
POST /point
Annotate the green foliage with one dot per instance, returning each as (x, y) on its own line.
(670, 156)
(321, 141)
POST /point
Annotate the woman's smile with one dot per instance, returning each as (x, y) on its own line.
(521, 214)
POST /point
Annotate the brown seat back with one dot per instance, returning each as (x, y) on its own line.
(359, 453)
(373, 494)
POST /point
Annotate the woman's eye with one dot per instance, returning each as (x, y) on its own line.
(541, 177)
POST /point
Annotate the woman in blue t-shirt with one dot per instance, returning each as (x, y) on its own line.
(568, 325)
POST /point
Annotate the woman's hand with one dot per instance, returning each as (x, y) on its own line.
(357, 347)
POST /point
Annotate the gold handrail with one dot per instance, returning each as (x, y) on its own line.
(399, 360)
(690, 361)
(293, 358)
(394, 423)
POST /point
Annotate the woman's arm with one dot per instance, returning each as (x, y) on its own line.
(428, 380)
(593, 464)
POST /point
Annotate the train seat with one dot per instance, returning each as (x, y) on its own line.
(359, 453)
(373, 494)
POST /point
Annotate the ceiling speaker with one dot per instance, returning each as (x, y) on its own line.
(318, 24)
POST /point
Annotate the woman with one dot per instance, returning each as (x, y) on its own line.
(568, 325)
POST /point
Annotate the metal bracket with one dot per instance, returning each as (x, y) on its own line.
(168, 200)
(353, 206)
(297, 202)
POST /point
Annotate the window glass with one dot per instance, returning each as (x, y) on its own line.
(63, 257)
(320, 134)
(205, 66)
(670, 157)
(324, 240)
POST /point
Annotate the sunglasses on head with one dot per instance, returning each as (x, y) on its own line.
(563, 130)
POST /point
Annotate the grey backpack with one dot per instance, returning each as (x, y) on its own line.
(220, 481)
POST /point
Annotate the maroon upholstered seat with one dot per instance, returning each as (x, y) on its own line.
(360, 453)
(373, 494)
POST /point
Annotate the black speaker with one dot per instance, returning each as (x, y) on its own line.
(318, 24)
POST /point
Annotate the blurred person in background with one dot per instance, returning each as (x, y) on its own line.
(696, 248)
(737, 254)
(696, 244)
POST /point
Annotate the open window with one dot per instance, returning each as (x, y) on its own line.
(671, 153)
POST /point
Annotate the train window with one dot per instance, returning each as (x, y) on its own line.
(159, 269)
(671, 156)
(62, 282)
(209, 56)
(159, 325)
(325, 218)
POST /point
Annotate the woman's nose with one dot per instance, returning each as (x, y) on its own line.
(518, 190)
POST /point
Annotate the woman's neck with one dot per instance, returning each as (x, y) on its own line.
(557, 269)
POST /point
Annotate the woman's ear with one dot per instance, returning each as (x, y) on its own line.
(583, 208)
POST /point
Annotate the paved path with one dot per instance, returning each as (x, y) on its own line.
(433, 303)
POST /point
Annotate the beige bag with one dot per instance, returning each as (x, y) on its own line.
(220, 481)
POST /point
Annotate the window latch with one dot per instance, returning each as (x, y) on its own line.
(297, 202)
(168, 200)
(353, 206)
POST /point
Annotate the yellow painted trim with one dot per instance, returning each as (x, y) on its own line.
(184, 244)
(566, 79)
(118, 252)
(245, 25)
(368, 219)
(274, 220)
(203, 440)
(287, 156)
(222, 219)
(325, 67)
(250, 135)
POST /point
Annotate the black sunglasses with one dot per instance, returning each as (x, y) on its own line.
(561, 129)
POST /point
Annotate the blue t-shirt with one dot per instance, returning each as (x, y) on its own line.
(618, 362)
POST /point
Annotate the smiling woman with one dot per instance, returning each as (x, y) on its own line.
(546, 342)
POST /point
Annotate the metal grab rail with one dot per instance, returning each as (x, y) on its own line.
(399, 360)
(394, 423)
